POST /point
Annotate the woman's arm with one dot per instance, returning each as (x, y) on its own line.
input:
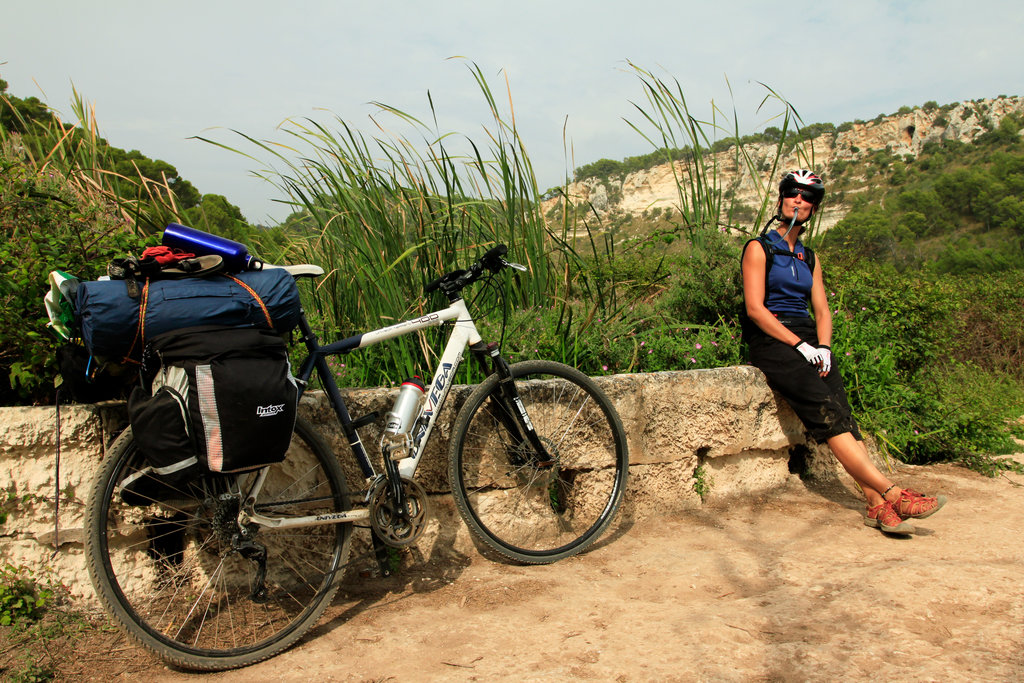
(819, 304)
(754, 263)
(822, 317)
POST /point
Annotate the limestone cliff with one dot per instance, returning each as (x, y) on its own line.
(902, 135)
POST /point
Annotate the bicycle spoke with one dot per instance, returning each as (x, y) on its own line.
(181, 581)
(522, 506)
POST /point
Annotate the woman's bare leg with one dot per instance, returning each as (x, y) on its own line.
(852, 454)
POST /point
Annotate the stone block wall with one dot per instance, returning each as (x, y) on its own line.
(720, 432)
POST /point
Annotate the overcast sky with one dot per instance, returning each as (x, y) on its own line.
(160, 73)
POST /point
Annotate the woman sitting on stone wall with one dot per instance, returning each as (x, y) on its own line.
(780, 278)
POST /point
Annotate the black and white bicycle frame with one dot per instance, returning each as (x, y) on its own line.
(464, 335)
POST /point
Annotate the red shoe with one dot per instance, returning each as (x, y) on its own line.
(917, 505)
(884, 517)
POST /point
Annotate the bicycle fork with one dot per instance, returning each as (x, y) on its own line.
(511, 412)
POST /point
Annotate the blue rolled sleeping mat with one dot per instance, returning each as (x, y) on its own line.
(108, 311)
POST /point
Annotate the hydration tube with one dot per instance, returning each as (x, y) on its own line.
(792, 224)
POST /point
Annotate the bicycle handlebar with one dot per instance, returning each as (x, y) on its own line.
(453, 282)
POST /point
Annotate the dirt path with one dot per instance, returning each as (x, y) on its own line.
(788, 586)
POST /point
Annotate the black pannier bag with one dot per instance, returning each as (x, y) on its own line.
(223, 400)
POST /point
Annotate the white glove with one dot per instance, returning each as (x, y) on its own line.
(826, 358)
(819, 358)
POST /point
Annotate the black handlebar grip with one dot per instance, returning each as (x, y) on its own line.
(495, 252)
(492, 259)
(432, 285)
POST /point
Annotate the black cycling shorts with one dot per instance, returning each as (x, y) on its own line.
(819, 402)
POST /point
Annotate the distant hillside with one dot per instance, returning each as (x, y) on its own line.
(849, 156)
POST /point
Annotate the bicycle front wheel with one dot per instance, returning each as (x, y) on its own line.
(184, 580)
(528, 510)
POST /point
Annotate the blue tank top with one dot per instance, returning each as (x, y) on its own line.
(789, 281)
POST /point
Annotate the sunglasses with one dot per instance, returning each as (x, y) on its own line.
(806, 195)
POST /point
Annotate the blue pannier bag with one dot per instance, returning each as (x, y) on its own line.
(112, 327)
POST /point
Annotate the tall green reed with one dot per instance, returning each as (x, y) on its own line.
(705, 201)
(386, 213)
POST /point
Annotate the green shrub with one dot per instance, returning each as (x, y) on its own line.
(22, 599)
(989, 324)
(931, 364)
(865, 232)
(703, 482)
(964, 258)
(965, 418)
(685, 347)
(703, 284)
(38, 629)
(44, 226)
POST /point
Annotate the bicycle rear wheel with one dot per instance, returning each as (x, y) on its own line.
(535, 513)
(180, 578)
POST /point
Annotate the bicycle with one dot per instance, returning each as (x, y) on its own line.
(231, 570)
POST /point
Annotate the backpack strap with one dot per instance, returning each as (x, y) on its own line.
(263, 306)
(140, 327)
(770, 251)
(769, 258)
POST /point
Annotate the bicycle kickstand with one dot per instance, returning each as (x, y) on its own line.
(382, 553)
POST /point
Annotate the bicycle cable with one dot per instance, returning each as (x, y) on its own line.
(490, 285)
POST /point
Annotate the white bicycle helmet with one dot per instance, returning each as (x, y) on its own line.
(804, 180)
